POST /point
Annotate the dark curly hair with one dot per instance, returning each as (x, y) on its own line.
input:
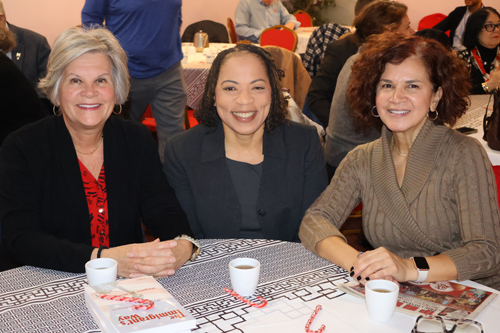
(445, 70)
(475, 24)
(206, 113)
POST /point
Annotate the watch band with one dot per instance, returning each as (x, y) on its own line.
(196, 248)
(422, 267)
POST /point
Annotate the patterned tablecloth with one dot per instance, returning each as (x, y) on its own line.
(292, 280)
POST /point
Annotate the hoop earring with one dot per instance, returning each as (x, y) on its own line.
(373, 114)
(432, 119)
(54, 111)
(118, 112)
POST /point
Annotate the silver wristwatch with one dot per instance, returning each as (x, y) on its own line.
(196, 246)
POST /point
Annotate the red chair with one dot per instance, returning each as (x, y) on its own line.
(429, 21)
(148, 120)
(304, 18)
(232, 31)
(496, 170)
(281, 36)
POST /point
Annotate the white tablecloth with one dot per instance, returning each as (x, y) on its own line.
(292, 280)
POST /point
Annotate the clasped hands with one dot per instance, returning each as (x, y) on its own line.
(383, 264)
(157, 258)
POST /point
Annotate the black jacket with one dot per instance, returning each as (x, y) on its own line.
(43, 208)
(452, 21)
(293, 176)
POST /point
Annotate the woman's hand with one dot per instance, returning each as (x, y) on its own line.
(383, 264)
(156, 258)
(494, 81)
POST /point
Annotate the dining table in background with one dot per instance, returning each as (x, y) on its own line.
(292, 280)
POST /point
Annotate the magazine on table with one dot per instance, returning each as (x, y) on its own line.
(167, 315)
(449, 300)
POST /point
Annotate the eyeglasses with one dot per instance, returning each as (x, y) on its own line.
(437, 320)
(490, 27)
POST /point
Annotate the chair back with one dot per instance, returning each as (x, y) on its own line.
(232, 31)
(281, 36)
(304, 18)
(217, 32)
(429, 21)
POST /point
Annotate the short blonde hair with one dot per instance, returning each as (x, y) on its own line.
(74, 42)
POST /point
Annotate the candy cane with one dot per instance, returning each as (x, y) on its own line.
(309, 322)
(147, 304)
(243, 299)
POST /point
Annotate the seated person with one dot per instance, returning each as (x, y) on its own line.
(374, 18)
(76, 186)
(30, 55)
(245, 171)
(428, 192)
(455, 22)
(482, 53)
(254, 16)
(18, 99)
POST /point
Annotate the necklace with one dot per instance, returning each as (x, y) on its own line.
(93, 151)
(393, 146)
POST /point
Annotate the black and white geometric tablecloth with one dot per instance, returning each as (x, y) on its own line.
(291, 280)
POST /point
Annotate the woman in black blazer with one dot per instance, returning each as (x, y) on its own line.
(76, 186)
(245, 172)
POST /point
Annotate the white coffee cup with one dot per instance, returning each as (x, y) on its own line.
(244, 273)
(101, 271)
(191, 50)
(381, 298)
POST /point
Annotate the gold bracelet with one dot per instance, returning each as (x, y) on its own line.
(485, 88)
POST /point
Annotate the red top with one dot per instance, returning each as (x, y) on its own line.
(97, 201)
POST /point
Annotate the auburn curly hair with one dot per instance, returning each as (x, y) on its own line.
(206, 113)
(445, 70)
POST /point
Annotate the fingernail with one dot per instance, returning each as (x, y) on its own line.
(352, 268)
(171, 272)
(136, 267)
(352, 274)
(132, 276)
(367, 279)
(358, 278)
(130, 255)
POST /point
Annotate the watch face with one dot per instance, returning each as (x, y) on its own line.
(421, 263)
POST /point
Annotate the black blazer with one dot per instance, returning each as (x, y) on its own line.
(19, 103)
(43, 208)
(320, 94)
(451, 22)
(293, 176)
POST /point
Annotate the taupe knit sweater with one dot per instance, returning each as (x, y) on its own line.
(447, 203)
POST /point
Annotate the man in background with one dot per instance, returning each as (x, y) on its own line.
(456, 20)
(149, 31)
(30, 55)
(254, 16)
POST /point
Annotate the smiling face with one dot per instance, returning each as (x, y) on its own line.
(86, 93)
(490, 39)
(243, 95)
(404, 96)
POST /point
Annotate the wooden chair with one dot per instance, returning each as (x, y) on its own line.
(304, 18)
(281, 36)
(232, 31)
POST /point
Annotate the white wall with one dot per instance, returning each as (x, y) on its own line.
(50, 17)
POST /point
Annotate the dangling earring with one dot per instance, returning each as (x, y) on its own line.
(374, 108)
(54, 111)
(434, 117)
(118, 112)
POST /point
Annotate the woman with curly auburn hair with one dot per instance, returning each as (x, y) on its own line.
(245, 171)
(430, 205)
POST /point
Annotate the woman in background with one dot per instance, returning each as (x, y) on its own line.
(245, 171)
(482, 40)
(76, 186)
(430, 205)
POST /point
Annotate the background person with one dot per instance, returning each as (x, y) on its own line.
(455, 22)
(149, 31)
(428, 192)
(375, 18)
(76, 186)
(245, 171)
(482, 40)
(254, 16)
